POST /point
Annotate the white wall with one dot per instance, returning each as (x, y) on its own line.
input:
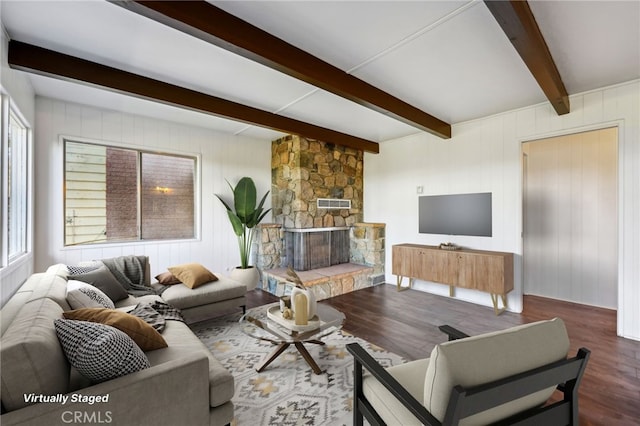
(17, 87)
(485, 155)
(16, 83)
(223, 156)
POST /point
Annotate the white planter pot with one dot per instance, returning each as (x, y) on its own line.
(249, 277)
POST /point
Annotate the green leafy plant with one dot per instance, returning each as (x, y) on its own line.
(245, 215)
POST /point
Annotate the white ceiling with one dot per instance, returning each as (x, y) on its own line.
(448, 58)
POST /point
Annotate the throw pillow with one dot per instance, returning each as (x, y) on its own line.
(82, 269)
(83, 295)
(145, 336)
(167, 278)
(99, 352)
(192, 274)
(103, 279)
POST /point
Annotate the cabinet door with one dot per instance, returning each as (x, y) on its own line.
(421, 263)
(492, 267)
(400, 262)
(434, 265)
(445, 267)
(466, 270)
(424, 264)
(482, 272)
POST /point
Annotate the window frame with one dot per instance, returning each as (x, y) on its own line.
(8, 109)
(139, 150)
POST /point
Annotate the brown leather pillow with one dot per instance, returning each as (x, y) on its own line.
(145, 336)
(167, 278)
(192, 274)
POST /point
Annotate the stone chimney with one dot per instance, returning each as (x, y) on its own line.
(304, 170)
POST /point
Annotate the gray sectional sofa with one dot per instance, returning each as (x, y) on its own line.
(183, 385)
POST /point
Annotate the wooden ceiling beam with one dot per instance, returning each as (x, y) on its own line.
(213, 25)
(34, 59)
(519, 24)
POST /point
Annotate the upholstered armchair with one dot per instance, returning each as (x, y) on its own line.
(504, 377)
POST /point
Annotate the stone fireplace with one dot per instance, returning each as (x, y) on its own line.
(303, 171)
(312, 181)
(317, 206)
(365, 266)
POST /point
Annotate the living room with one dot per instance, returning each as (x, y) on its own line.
(484, 154)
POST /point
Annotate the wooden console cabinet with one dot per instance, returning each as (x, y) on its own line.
(488, 271)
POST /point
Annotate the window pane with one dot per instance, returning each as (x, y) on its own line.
(122, 194)
(167, 199)
(17, 196)
(115, 194)
(85, 193)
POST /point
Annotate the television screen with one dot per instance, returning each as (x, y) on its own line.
(456, 214)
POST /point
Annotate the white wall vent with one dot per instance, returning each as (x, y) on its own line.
(333, 203)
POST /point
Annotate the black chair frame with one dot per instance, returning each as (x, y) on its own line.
(463, 402)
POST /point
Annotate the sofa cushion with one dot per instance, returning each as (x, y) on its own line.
(11, 309)
(59, 269)
(411, 375)
(50, 286)
(37, 286)
(103, 279)
(183, 297)
(32, 360)
(488, 357)
(99, 352)
(181, 341)
(145, 336)
(83, 295)
(192, 274)
(131, 301)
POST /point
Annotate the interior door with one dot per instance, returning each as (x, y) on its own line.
(570, 214)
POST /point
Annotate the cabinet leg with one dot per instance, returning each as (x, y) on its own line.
(399, 283)
(494, 300)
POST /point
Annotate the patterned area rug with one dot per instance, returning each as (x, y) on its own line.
(287, 392)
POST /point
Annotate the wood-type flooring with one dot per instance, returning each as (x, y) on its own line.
(407, 323)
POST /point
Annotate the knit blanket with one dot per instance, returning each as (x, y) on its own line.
(129, 271)
(156, 313)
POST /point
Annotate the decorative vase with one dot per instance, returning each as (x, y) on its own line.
(300, 306)
(311, 301)
(249, 276)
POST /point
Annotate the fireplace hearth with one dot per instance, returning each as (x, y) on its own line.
(359, 263)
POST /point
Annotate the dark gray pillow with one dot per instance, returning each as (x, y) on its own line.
(98, 351)
(103, 279)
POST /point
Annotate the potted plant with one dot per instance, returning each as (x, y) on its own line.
(244, 216)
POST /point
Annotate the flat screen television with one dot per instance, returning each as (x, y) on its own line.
(456, 214)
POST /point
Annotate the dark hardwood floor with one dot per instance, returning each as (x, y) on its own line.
(406, 323)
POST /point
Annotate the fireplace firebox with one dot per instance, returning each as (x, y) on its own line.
(313, 248)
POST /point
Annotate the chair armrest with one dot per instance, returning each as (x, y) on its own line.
(453, 333)
(363, 359)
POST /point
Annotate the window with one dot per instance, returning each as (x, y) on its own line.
(115, 194)
(17, 186)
